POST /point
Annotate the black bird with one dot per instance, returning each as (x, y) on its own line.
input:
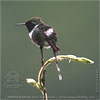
(42, 35)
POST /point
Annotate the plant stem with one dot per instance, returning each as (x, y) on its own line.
(41, 76)
(44, 87)
(60, 58)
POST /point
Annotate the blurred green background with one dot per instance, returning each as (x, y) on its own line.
(77, 25)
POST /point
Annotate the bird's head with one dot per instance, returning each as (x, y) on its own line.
(35, 20)
(31, 23)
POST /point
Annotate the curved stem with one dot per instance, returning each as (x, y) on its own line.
(60, 58)
(39, 84)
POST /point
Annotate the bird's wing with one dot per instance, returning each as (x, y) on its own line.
(51, 37)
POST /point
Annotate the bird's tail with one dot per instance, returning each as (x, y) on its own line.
(57, 66)
(55, 49)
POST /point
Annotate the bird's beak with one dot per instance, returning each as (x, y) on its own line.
(20, 24)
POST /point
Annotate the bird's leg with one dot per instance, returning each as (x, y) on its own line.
(42, 59)
(57, 66)
(43, 76)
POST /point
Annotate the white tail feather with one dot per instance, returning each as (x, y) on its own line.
(60, 77)
(59, 72)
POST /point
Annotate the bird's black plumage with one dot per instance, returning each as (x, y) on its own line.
(43, 35)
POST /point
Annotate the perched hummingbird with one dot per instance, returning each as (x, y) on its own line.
(42, 35)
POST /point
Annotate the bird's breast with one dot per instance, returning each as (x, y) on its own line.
(38, 38)
(32, 31)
